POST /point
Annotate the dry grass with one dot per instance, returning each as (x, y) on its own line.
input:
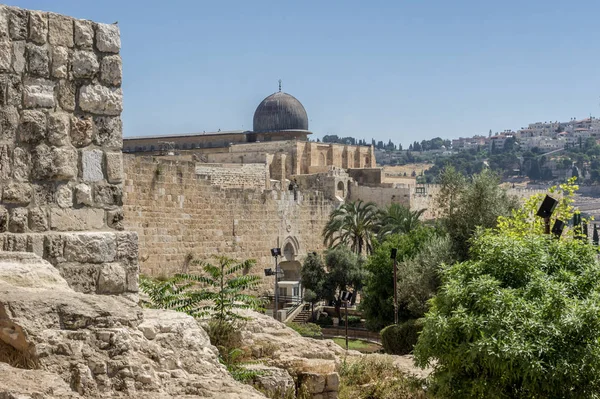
(375, 377)
(16, 358)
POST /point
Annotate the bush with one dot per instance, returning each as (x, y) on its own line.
(325, 321)
(353, 321)
(400, 339)
(306, 329)
(224, 335)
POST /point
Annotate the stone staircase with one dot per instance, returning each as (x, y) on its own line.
(303, 316)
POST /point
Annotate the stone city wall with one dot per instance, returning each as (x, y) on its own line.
(381, 196)
(61, 166)
(252, 175)
(179, 216)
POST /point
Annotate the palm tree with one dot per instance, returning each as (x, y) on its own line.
(353, 225)
(398, 219)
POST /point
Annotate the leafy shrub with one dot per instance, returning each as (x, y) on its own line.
(400, 339)
(306, 329)
(520, 320)
(352, 321)
(223, 334)
(326, 321)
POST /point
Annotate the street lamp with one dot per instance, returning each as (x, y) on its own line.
(393, 256)
(545, 211)
(275, 253)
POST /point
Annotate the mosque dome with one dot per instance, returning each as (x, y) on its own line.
(280, 112)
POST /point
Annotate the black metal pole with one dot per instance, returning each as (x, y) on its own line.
(346, 306)
(276, 291)
(395, 291)
(547, 225)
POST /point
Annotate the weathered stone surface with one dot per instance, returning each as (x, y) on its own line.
(15, 242)
(82, 277)
(3, 220)
(60, 62)
(60, 30)
(112, 279)
(85, 64)
(21, 164)
(66, 95)
(18, 56)
(37, 219)
(38, 27)
(5, 162)
(114, 219)
(273, 381)
(59, 124)
(32, 128)
(90, 247)
(38, 61)
(27, 384)
(64, 162)
(18, 220)
(42, 160)
(108, 195)
(108, 39)
(84, 34)
(44, 194)
(108, 132)
(11, 90)
(5, 56)
(76, 219)
(38, 93)
(17, 193)
(111, 70)
(82, 130)
(114, 167)
(64, 196)
(91, 165)
(9, 120)
(83, 195)
(127, 247)
(101, 100)
(3, 22)
(18, 24)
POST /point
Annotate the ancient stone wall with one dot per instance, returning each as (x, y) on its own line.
(252, 175)
(179, 215)
(381, 196)
(61, 166)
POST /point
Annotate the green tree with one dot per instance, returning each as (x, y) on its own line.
(217, 293)
(377, 300)
(345, 271)
(466, 204)
(313, 275)
(398, 219)
(353, 225)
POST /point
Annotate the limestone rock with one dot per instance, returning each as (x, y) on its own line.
(99, 345)
(114, 167)
(81, 131)
(112, 279)
(59, 125)
(38, 27)
(111, 70)
(108, 195)
(38, 60)
(21, 164)
(83, 195)
(9, 121)
(91, 165)
(5, 56)
(101, 100)
(32, 128)
(18, 56)
(84, 34)
(76, 219)
(64, 196)
(11, 90)
(108, 132)
(18, 220)
(38, 93)
(17, 193)
(5, 164)
(60, 30)
(64, 162)
(43, 167)
(18, 24)
(85, 64)
(60, 62)
(108, 39)
(275, 382)
(90, 247)
(37, 219)
(17, 383)
(66, 95)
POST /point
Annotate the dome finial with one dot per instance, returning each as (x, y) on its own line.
(280, 85)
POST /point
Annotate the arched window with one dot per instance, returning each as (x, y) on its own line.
(321, 159)
(367, 161)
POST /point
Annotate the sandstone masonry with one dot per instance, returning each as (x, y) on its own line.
(61, 167)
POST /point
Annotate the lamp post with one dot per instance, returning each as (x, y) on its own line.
(393, 256)
(276, 253)
(545, 211)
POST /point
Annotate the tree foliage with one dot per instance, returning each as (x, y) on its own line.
(398, 219)
(217, 293)
(521, 318)
(353, 225)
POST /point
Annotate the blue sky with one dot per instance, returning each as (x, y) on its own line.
(402, 70)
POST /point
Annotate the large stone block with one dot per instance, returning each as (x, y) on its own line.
(111, 70)
(91, 165)
(76, 219)
(18, 57)
(18, 24)
(101, 100)
(85, 64)
(38, 61)
(64, 196)
(21, 164)
(38, 93)
(108, 132)
(84, 34)
(38, 27)
(90, 247)
(108, 195)
(83, 195)
(15, 243)
(60, 30)
(82, 130)
(114, 219)
(60, 62)
(5, 162)
(64, 162)
(42, 160)
(17, 193)
(127, 247)
(38, 220)
(9, 121)
(44, 194)
(3, 220)
(18, 220)
(112, 279)
(11, 90)
(5, 56)
(66, 95)
(108, 39)
(114, 167)
(32, 128)
(3, 22)
(59, 125)
(81, 277)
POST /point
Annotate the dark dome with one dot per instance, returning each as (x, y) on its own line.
(278, 112)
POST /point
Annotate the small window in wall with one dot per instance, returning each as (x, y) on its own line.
(296, 291)
(367, 161)
(282, 291)
(420, 190)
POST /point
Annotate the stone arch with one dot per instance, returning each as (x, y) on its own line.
(321, 159)
(290, 265)
(340, 189)
(367, 161)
